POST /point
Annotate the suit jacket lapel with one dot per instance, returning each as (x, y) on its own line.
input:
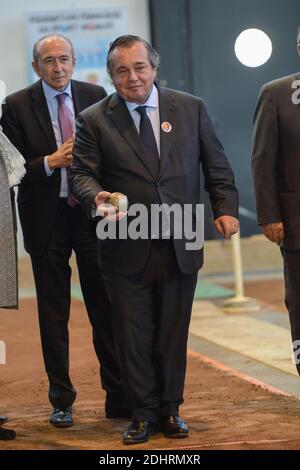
(40, 109)
(167, 111)
(78, 98)
(297, 76)
(121, 118)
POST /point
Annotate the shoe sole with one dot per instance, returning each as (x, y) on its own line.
(175, 436)
(61, 425)
(7, 438)
(132, 442)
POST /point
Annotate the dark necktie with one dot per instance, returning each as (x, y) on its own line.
(148, 138)
(66, 131)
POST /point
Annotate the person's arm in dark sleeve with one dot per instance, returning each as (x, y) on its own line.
(219, 177)
(265, 159)
(12, 128)
(85, 175)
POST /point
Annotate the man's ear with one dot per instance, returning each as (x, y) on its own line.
(35, 67)
(298, 49)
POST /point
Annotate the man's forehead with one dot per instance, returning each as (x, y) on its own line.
(47, 54)
(134, 55)
(136, 48)
(121, 63)
(60, 46)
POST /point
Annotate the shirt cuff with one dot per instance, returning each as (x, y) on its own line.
(94, 212)
(46, 165)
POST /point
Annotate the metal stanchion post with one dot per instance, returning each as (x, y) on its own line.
(239, 303)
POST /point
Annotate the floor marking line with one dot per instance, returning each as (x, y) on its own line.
(234, 443)
(236, 373)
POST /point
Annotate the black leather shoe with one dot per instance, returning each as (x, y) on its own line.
(174, 427)
(7, 434)
(62, 418)
(3, 419)
(139, 432)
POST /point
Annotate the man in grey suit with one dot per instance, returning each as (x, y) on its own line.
(148, 142)
(276, 173)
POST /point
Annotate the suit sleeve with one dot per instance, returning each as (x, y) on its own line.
(219, 177)
(102, 94)
(12, 128)
(265, 158)
(86, 169)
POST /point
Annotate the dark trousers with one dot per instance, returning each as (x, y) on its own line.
(52, 275)
(151, 316)
(291, 260)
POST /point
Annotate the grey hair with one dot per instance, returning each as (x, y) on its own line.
(128, 41)
(35, 51)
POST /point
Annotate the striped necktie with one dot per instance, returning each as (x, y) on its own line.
(66, 131)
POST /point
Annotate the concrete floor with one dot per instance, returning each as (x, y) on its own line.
(254, 344)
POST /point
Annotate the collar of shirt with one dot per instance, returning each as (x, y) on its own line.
(152, 104)
(50, 93)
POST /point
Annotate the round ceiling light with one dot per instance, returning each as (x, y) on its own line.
(253, 47)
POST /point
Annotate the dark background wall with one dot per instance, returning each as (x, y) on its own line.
(196, 40)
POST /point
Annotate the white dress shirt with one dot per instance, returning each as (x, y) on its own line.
(50, 94)
(152, 105)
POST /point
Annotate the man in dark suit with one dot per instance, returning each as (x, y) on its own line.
(148, 143)
(40, 121)
(276, 173)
